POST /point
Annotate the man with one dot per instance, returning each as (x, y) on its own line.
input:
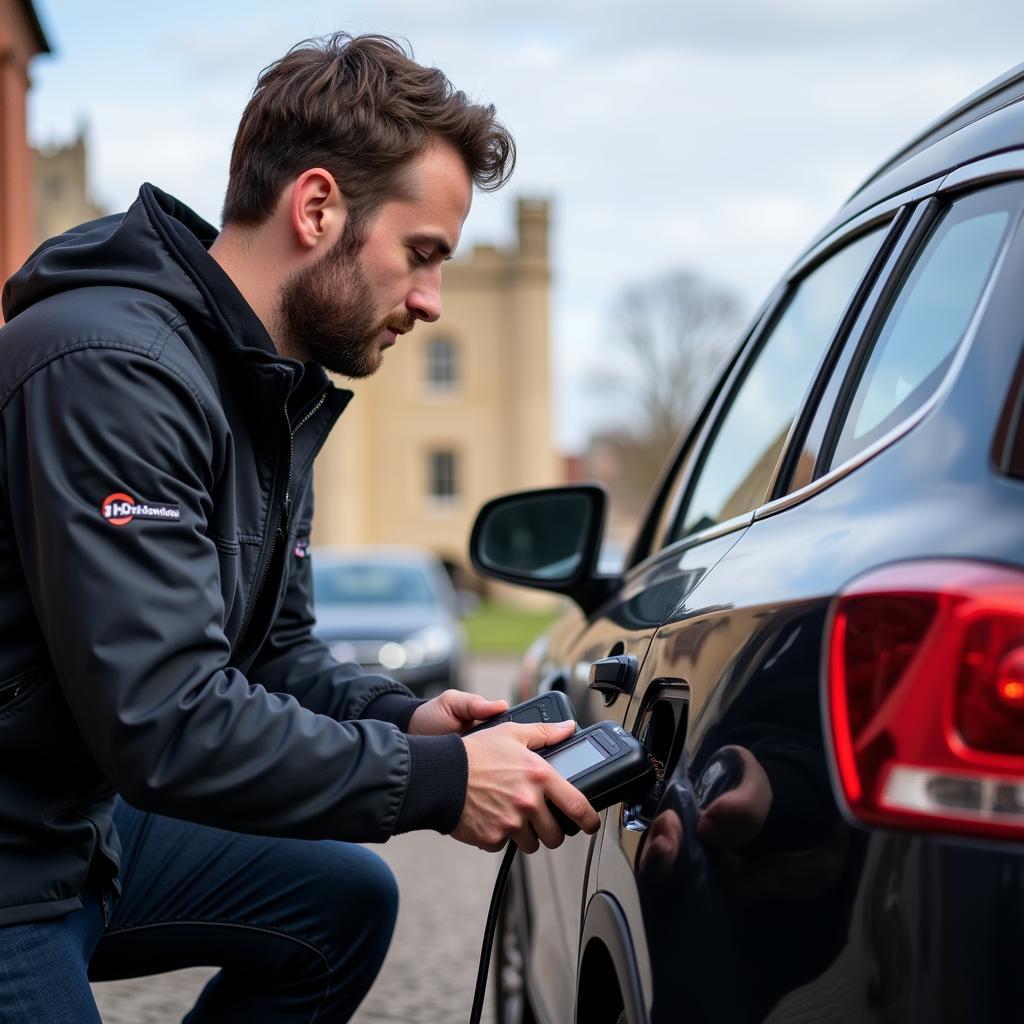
(163, 395)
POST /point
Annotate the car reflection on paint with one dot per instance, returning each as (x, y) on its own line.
(391, 610)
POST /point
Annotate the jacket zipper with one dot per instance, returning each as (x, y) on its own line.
(284, 519)
(292, 431)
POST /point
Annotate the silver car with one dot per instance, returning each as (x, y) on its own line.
(392, 610)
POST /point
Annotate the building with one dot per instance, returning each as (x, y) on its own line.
(62, 197)
(21, 38)
(461, 410)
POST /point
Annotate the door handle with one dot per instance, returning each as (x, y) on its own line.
(612, 676)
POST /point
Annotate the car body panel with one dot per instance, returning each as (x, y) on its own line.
(557, 880)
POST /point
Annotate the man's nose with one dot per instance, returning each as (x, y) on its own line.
(424, 302)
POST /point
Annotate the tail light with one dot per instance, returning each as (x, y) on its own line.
(925, 698)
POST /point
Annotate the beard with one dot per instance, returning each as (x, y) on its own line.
(327, 313)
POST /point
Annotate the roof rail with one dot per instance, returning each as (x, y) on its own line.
(1005, 89)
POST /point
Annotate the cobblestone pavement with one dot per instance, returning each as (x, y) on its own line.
(429, 973)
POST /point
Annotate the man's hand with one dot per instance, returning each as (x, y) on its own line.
(509, 786)
(453, 711)
(736, 817)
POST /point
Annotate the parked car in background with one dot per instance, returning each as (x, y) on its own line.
(829, 582)
(392, 610)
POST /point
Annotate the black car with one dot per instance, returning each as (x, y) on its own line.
(825, 598)
(392, 610)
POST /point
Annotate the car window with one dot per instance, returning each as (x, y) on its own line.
(916, 343)
(740, 459)
(366, 583)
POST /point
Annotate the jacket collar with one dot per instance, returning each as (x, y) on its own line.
(188, 238)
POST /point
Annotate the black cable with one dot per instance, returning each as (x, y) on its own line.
(489, 928)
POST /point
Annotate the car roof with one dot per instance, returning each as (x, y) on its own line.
(989, 121)
(1000, 92)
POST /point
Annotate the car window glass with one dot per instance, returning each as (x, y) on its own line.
(365, 583)
(929, 316)
(739, 463)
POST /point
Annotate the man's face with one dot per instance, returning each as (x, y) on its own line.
(344, 310)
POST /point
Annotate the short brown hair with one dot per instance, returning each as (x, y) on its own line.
(361, 108)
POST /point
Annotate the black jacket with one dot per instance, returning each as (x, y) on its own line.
(155, 598)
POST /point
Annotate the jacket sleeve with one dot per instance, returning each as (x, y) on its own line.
(133, 617)
(293, 660)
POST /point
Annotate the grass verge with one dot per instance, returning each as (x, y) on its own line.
(505, 629)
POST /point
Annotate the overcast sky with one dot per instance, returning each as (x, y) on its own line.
(714, 137)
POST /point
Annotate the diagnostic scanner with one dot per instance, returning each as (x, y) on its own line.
(604, 762)
(553, 706)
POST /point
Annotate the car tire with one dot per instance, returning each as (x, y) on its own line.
(511, 1000)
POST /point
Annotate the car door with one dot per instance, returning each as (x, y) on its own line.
(728, 475)
(757, 932)
(558, 882)
(787, 347)
(624, 626)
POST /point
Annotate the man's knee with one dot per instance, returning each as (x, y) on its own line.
(357, 890)
(378, 895)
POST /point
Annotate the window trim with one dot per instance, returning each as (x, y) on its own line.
(804, 268)
(895, 257)
(655, 519)
(901, 226)
(935, 216)
(878, 311)
(835, 233)
(988, 170)
(675, 483)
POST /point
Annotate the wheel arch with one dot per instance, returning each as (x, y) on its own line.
(606, 942)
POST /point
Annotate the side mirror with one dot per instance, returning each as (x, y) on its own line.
(546, 539)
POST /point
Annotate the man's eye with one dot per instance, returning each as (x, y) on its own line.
(419, 257)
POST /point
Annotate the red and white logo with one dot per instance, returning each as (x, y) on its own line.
(119, 509)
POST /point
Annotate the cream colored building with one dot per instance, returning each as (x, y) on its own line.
(61, 186)
(459, 412)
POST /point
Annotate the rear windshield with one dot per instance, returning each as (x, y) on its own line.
(358, 583)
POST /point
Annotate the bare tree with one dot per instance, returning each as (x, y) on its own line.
(668, 336)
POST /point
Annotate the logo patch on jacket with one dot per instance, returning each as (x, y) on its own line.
(119, 509)
(301, 548)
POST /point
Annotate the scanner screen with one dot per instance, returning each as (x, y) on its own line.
(576, 758)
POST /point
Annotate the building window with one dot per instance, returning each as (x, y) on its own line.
(443, 479)
(442, 365)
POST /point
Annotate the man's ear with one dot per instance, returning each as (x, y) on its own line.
(317, 210)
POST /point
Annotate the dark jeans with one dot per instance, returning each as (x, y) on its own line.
(298, 928)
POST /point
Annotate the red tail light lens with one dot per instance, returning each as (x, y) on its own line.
(926, 697)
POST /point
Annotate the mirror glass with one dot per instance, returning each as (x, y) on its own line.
(539, 536)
